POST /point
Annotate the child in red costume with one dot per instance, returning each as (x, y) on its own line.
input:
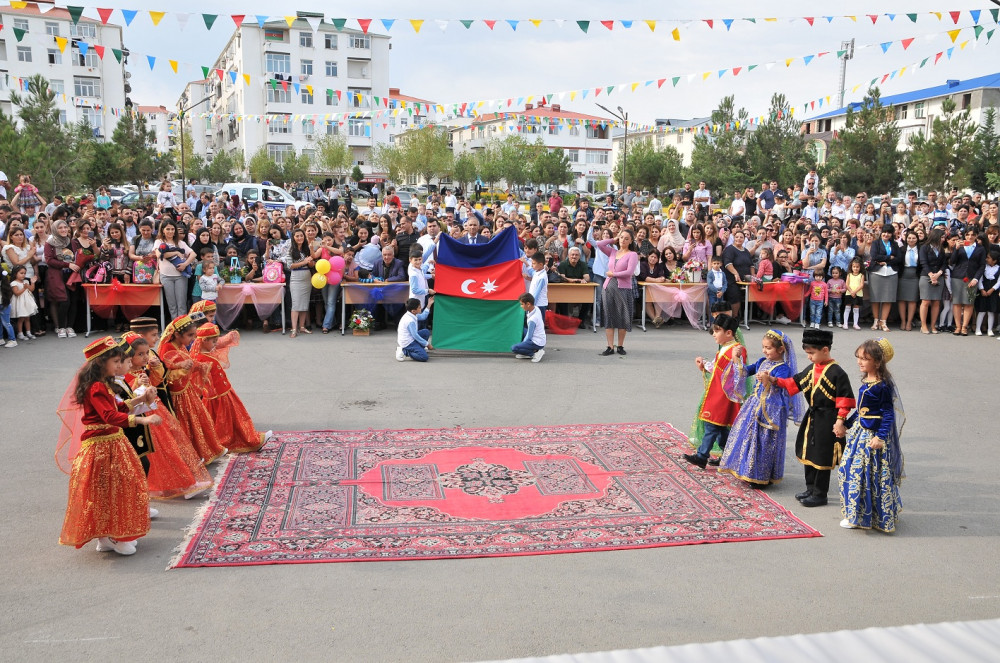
(232, 421)
(183, 378)
(108, 498)
(175, 468)
(725, 389)
(226, 341)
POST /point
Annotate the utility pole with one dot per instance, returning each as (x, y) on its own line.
(848, 49)
(623, 116)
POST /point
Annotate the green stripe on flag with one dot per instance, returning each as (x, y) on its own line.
(476, 324)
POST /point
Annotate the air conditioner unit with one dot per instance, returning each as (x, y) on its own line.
(364, 72)
(303, 77)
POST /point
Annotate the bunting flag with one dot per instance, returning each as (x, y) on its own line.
(156, 17)
(105, 14)
(210, 20)
(417, 24)
(129, 15)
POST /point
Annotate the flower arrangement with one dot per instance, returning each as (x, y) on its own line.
(361, 320)
(233, 275)
(678, 275)
(695, 270)
(972, 289)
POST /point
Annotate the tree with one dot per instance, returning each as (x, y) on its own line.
(389, 159)
(138, 158)
(552, 167)
(333, 155)
(54, 156)
(222, 168)
(295, 168)
(865, 155)
(464, 169)
(488, 162)
(103, 167)
(649, 168)
(986, 153)
(356, 174)
(720, 158)
(263, 168)
(194, 165)
(515, 157)
(426, 153)
(776, 150)
(943, 159)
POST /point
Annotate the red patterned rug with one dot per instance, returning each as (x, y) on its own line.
(335, 496)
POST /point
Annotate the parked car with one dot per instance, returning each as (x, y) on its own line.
(407, 199)
(116, 193)
(273, 197)
(138, 198)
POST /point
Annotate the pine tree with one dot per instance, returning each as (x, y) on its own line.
(944, 159)
(139, 160)
(776, 150)
(986, 153)
(865, 155)
(720, 158)
(43, 149)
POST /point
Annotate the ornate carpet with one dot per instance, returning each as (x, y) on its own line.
(336, 496)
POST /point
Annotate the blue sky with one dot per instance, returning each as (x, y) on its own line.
(463, 65)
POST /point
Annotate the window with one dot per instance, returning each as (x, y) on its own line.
(62, 118)
(311, 156)
(597, 132)
(331, 98)
(306, 39)
(331, 68)
(573, 156)
(918, 110)
(52, 28)
(358, 127)
(308, 127)
(280, 152)
(57, 86)
(332, 128)
(307, 96)
(574, 130)
(278, 95)
(307, 68)
(680, 138)
(84, 30)
(966, 100)
(3, 50)
(92, 118)
(902, 111)
(361, 41)
(55, 57)
(330, 42)
(21, 24)
(404, 123)
(86, 87)
(279, 124)
(278, 63)
(88, 60)
(553, 129)
(594, 156)
(359, 98)
(24, 54)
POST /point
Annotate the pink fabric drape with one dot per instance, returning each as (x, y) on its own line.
(265, 298)
(671, 298)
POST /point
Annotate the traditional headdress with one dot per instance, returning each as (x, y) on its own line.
(797, 403)
(817, 338)
(203, 306)
(887, 350)
(131, 337)
(99, 347)
(142, 324)
(208, 331)
(178, 325)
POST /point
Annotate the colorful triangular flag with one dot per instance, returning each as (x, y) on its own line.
(156, 17)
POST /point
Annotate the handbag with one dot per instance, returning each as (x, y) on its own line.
(143, 272)
(274, 272)
(97, 272)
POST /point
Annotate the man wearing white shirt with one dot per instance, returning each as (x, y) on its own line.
(3, 185)
(511, 206)
(450, 200)
(702, 200)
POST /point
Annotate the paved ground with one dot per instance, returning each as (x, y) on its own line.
(68, 605)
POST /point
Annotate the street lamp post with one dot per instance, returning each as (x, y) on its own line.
(180, 120)
(623, 116)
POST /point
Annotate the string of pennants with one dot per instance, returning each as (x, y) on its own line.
(182, 19)
(377, 106)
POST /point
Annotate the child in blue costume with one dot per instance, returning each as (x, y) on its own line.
(755, 452)
(872, 465)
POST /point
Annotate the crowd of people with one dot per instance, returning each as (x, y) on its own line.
(931, 261)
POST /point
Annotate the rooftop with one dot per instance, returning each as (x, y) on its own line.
(32, 9)
(395, 95)
(554, 111)
(949, 87)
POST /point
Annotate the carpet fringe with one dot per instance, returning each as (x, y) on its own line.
(191, 530)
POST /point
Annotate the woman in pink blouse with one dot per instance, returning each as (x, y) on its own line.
(697, 246)
(617, 291)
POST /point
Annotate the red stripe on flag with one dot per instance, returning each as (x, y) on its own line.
(496, 282)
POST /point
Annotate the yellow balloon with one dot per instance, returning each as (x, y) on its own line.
(318, 281)
(322, 265)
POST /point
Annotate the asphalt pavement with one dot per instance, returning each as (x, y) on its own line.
(77, 605)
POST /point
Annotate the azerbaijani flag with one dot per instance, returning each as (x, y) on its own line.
(477, 287)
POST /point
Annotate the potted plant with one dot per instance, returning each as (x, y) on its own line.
(695, 270)
(361, 322)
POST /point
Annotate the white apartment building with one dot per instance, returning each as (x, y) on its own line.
(408, 113)
(586, 139)
(87, 86)
(303, 79)
(678, 134)
(914, 111)
(161, 122)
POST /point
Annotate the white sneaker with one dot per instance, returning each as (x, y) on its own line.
(829, 324)
(107, 544)
(846, 525)
(153, 513)
(61, 333)
(11, 344)
(72, 334)
(522, 356)
(269, 436)
(989, 332)
(200, 488)
(22, 337)
(104, 544)
(538, 356)
(856, 326)
(979, 332)
(399, 354)
(31, 337)
(783, 320)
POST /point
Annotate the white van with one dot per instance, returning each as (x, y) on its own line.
(273, 197)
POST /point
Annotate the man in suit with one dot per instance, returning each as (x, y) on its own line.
(472, 235)
(391, 270)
